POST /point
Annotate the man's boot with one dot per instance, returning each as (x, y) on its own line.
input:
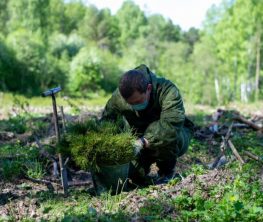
(166, 171)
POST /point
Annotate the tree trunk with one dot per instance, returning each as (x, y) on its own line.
(235, 79)
(217, 89)
(258, 43)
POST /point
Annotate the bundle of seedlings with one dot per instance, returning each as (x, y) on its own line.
(92, 144)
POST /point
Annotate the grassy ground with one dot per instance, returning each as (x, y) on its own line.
(12, 103)
(234, 192)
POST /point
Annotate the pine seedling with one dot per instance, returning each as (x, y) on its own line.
(93, 144)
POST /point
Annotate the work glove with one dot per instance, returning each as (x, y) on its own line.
(137, 146)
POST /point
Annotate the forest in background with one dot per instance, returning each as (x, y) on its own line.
(45, 43)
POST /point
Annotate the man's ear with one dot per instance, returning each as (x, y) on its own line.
(149, 87)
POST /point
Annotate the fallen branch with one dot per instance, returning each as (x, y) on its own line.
(228, 134)
(253, 156)
(39, 181)
(235, 152)
(225, 139)
(240, 125)
(79, 183)
(223, 147)
(249, 123)
(66, 161)
(219, 161)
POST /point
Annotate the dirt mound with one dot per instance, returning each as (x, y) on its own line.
(191, 184)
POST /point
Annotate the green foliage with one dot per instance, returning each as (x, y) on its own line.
(37, 70)
(234, 205)
(74, 15)
(236, 56)
(18, 160)
(132, 22)
(60, 44)
(162, 29)
(8, 67)
(84, 49)
(28, 14)
(85, 72)
(100, 27)
(197, 169)
(19, 150)
(11, 169)
(35, 170)
(3, 15)
(15, 168)
(237, 196)
(92, 69)
(93, 144)
(15, 124)
(139, 51)
(154, 210)
(111, 203)
(205, 90)
(174, 66)
(22, 121)
(56, 208)
(191, 36)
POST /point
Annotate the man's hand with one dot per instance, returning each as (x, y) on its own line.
(138, 146)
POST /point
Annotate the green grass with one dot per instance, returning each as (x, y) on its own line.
(22, 103)
(244, 108)
(93, 99)
(99, 100)
(18, 150)
(20, 160)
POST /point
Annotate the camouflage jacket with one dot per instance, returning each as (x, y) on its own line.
(161, 121)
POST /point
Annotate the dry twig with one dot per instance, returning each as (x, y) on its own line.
(249, 123)
(253, 156)
(235, 152)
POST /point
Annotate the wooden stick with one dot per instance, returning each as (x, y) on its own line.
(225, 139)
(63, 170)
(228, 134)
(66, 161)
(249, 123)
(55, 169)
(235, 152)
(64, 176)
(253, 156)
(63, 119)
(222, 146)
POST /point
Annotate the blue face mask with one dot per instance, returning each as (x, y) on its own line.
(140, 106)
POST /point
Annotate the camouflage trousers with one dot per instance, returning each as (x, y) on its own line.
(165, 158)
